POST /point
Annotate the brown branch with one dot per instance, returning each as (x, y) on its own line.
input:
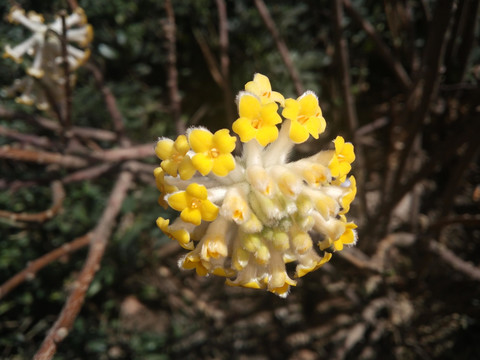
(170, 29)
(383, 50)
(111, 104)
(84, 132)
(88, 173)
(34, 266)
(352, 118)
(209, 58)
(40, 141)
(122, 154)
(225, 60)
(41, 157)
(281, 46)
(99, 240)
(58, 195)
(454, 261)
(67, 114)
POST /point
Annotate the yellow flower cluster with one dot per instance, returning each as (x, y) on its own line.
(44, 45)
(245, 217)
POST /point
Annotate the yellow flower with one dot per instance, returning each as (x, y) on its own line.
(213, 151)
(349, 237)
(175, 158)
(340, 164)
(181, 235)
(305, 116)
(260, 86)
(271, 210)
(193, 204)
(164, 188)
(256, 121)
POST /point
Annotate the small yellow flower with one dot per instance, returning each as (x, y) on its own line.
(260, 86)
(193, 204)
(181, 235)
(163, 187)
(256, 121)
(175, 158)
(349, 237)
(305, 116)
(344, 156)
(213, 151)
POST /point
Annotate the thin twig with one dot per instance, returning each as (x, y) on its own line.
(36, 265)
(352, 118)
(383, 50)
(40, 141)
(454, 261)
(209, 58)
(84, 132)
(58, 195)
(170, 29)
(67, 115)
(225, 60)
(42, 157)
(110, 102)
(99, 240)
(281, 46)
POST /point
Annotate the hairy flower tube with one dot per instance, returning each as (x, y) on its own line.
(45, 47)
(245, 217)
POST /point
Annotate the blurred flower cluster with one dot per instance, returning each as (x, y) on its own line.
(244, 217)
(46, 76)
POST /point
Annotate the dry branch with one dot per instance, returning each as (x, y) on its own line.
(58, 195)
(36, 265)
(170, 29)
(382, 48)
(281, 45)
(99, 240)
(42, 157)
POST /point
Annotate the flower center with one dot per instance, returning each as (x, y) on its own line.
(302, 119)
(177, 158)
(214, 153)
(257, 123)
(267, 94)
(195, 203)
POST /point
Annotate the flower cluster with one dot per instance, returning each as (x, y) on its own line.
(46, 72)
(245, 217)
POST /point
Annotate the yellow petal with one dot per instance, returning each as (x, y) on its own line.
(266, 135)
(209, 211)
(249, 106)
(192, 216)
(298, 133)
(178, 201)
(243, 128)
(170, 167)
(164, 148)
(291, 110)
(202, 163)
(269, 114)
(223, 164)
(309, 104)
(186, 169)
(181, 144)
(223, 142)
(200, 140)
(197, 191)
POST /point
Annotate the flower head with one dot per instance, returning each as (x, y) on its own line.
(340, 165)
(252, 214)
(45, 46)
(260, 86)
(212, 151)
(175, 158)
(256, 121)
(305, 116)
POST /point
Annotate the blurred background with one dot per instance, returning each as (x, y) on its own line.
(399, 79)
